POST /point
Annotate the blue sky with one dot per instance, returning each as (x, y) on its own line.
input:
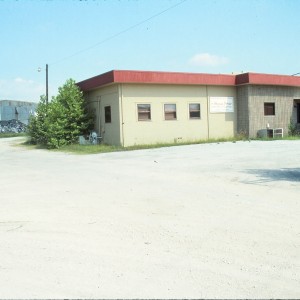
(81, 39)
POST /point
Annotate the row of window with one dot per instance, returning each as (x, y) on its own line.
(170, 111)
(144, 112)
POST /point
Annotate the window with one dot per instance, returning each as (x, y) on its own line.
(144, 112)
(107, 112)
(194, 109)
(298, 113)
(170, 112)
(269, 108)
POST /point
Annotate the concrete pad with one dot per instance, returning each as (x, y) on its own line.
(200, 221)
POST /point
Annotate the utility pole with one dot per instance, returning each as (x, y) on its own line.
(46, 84)
(39, 70)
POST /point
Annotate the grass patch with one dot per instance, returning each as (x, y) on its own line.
(89, 149)
(161, 145)
(31, 146)
(11, 134)
(285, 138)
(292, 138)
(104, 148)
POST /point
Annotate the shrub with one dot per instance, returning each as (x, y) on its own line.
(61, 121)
(293, 130)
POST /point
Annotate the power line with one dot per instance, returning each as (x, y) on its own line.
(119, 33)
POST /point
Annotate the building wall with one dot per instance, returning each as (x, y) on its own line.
(243, 110)
(97, 100)
(247, 93)
(296, 94)
(183, 129)
(159, 130)
(18, 110)
(248, 116)
(222, 124)
(283, 97)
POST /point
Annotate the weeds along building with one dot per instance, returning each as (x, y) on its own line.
(140, 107)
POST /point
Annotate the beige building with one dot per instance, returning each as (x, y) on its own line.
(138, 107)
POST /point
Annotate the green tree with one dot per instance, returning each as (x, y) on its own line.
(37, 127)
(62, 120)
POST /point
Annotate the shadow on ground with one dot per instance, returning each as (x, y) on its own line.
(290, 174)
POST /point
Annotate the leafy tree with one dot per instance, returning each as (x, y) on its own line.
(36, 127)
(62, 120)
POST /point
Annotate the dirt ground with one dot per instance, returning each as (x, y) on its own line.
(200, 221)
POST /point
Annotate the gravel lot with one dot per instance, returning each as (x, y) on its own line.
(200, 221)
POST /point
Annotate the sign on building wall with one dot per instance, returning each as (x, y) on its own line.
(221, 104)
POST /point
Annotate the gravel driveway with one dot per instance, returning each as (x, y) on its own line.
(200, 221)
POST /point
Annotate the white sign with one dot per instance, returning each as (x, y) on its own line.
(221, 104)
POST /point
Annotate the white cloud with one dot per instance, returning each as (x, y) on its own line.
(207, 59)
(21, 89)
(21, 80)
(18, 80)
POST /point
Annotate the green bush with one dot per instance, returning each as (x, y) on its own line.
(293, 130)
(62, 120)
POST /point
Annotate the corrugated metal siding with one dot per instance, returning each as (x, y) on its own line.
(18, 110)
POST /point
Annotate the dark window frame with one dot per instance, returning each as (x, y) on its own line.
(144, 112)
(298, 112)
(269, 108)
(170, 114)
(107, 114)
(194, 114)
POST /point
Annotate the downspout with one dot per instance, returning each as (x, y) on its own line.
(101, 130)
(97, 110)
(122, 114)
(207, 112)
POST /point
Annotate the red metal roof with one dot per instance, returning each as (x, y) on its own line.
(118, 76)
(156, 78)
(96, 81)
(267, 79)
(173, 78)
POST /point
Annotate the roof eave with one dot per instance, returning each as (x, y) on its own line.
(176, 78)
